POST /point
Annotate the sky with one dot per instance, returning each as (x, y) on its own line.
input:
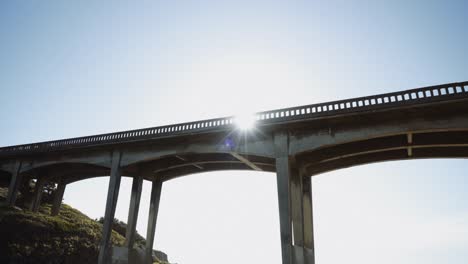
(76, 68)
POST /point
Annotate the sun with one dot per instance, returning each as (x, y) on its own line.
(245, 121)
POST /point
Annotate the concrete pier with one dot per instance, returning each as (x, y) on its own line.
(112, 196)
(58, 198)
(15, 182)
(152, 218)
(37, 196)
(133, 212)
(295, 206)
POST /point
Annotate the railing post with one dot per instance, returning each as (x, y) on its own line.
(153, 215)
(112, 195)
(133, 211)
(15, 183)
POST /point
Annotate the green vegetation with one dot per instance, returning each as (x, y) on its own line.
(71, 237)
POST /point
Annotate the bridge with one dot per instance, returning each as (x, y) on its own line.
(294, 143)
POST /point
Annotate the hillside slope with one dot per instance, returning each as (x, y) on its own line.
(71, 237)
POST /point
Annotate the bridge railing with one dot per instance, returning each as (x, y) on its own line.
(438, 93)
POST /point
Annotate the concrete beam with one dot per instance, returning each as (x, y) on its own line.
(193, 164)
(112, 196)
(15, 183)
(133, 211)
(98, 158)
(246, 161)
(152, 218)
(409, 138)
(58, 197)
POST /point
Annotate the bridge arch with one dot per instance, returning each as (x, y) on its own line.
(421, 145)
(182, 164)
(57, 170)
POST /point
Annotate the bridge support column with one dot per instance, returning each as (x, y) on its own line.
(37, 197)
(295, 208)
(133, 211)
(153, 216)
(15, 183)
(112, 195)
(58, 198)
(308, 220)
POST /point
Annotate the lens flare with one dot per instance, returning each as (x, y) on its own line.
(245, 121)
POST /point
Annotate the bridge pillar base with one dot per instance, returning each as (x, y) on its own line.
(303, 255)
(125, 255)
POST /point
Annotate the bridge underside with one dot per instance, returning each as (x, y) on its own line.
(450, 144)
(295, 150)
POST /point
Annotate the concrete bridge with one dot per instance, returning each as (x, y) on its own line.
(295, 143)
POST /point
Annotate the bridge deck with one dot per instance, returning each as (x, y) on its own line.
(401, 99)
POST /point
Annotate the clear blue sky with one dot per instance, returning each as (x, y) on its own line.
(73, 68)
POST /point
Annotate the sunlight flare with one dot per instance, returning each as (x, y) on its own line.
(245, 121)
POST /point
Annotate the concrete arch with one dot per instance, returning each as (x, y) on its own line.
(168, 167)
(257, 145)
(55, 170)
(72, 178)
(182, 164)
(94, 158)
(373, 160)
(447, 144)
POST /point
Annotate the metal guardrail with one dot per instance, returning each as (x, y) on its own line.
(438, 93)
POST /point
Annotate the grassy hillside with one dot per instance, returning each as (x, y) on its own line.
(71, 237)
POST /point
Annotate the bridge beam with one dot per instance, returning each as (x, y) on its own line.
(295, 208)
(133, 211)
(246, 161)
(15, 183)
(112, 196)
(38, 191)
(152, 218)
(58, 198)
